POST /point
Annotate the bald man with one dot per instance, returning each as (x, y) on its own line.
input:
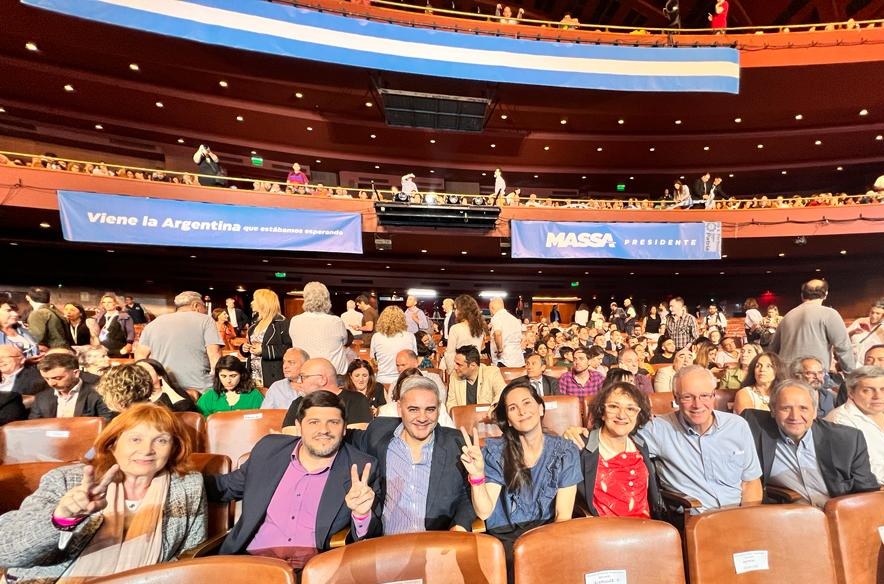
(408, 359)
(282, 393)
(319, 374)
(18, 376)
(506, 336)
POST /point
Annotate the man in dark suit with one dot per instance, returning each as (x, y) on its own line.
(701, 190)
(424, 485)
(815, 458)
(542, 384)
(238, 318)
(135, 310)
(334, 484)
(68, 396)
(11, 408)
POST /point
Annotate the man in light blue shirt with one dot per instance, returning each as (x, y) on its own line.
(415, 318)
(702, 453)
(282, 393)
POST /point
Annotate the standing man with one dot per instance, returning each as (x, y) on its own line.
(369, 318)
(238, 319)
(702, 188)
(815, 458)
(135, 310)
(353, 319)
(415, 318)
(715, 318)
(499, 185)
(186, 342)
(813, 329)
(506, 336)
(45, 323)
(554, 314)
(450, 319)
(680, 325)
(423, 481)
(716, 192)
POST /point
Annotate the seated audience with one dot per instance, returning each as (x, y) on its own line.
(282, 393)
(232, 389)
(664, 379)
(473, 382)
(810, 371)
(734, 376)
(728, 354)
(543, 384)
(765, 371)
(628, 359)
(135, 505)
(864, 410)
(165, 393)
(426, 348)
(360, 378)
(320, 374)
(391, 336)
(123, 386)
(580, 380)
(19, 376)
(68, 396)
(525, 478)
(813, 457)
(391, 408)
(12, 332)
(867, 331)
(95, 361)
(665, 352)
(407, 359)
(268, 339)
(336, 487)
(409, 449)
(619, 478)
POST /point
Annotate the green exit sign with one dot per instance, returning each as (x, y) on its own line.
(257, 161)
(280, 274)
(575, 284)
(621, 188)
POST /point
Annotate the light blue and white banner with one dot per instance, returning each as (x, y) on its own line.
(95, 218)
(277, 29)
(624, 241)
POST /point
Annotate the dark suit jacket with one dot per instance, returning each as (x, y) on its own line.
(589, 464)
(89, 403)
(550, 384)
(276, 342)
(448, 499)
(256, 481)
(11, 408)
(29, 381)
(701, 188)
(242, 320)
(841, 453)
(447, 324)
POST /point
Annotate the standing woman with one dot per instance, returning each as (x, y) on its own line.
(391, 336)
(80, 330)
(765, 372)
(469, 330)
(525, 478)
(116, 331)
(753, 322)
(719, 19)
(652, 322)
(581, 316)
(268, 339)
(618, 475)
(225, 329)
(12, 332)
(232, 389)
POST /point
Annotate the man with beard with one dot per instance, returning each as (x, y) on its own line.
(424, 483)
(810, 371)
(299, 491)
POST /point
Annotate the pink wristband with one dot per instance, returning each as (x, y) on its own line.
(360, 517)
(66, 524)
(477, 481)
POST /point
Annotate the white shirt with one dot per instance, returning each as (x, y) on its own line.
(581, 317)
(384, 350)
(850, 415)
(459, 336)
(67, 405)
(353, 320)
(231, 313)
(511, 335)
(9, 380)
(499, 185)
(321, 335)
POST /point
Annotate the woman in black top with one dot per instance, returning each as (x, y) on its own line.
(76, 330)
(652, 321)
(165, 392)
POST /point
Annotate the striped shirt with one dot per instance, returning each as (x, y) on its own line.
(405, 503)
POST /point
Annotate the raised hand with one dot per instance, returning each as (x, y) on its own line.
(361, 496)
(471, 457)
(88, 497)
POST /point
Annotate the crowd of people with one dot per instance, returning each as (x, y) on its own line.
(705, 193)
(793, 401)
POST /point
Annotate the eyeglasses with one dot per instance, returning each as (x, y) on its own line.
(631, 411)
(686, 399)
(301, 378)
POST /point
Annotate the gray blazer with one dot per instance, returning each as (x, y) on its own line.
(29, 541)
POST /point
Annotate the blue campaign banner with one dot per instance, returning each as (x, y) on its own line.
(623, 241)
(290, 31)
(96, 218)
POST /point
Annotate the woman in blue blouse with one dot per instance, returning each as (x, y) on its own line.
(525, 478)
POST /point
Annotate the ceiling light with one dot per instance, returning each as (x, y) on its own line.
(45, 225)
(724, 255)
(464, 252)
(583, 177)
(68, 87)
(240, 288)
(432, 172)
(368, 104)
(839, 168)
(222, 83)
(563, 121)
(818, 143)
(492, 271)
(329, 265)
(159, 104)
(309, 128)
(651, 149)
(239, 118)
(181, 140)
(539, 271)
(254, 152)
(536, 176)
(676, 273)
(388, 267)
(31, 46)
(843, 252)
(621, 121)
(599, 149)
(318, 161)
(441, 269)
(879, 137)
(299, 95)
(817, 270)
(503, 253)
(423, 251)
(13, 243)
(193, 257)
(632, 178)
(706, 148)
(484, 174)
(373, 136)
(731, 175)
(863, 112)
(99, 127)
(494, 145)
(2, 110)
(738, 120)
(785, 172)
(492, 293)
(134, 67)
(760, 146)
(799, 117)
(109, 251)
(781, 254)
(767, 271)
(721, 273)
(422, 292)
(266, 261)
(503, 116)
(546, 147)
(677, 122)
(432, 141)
(376, 167)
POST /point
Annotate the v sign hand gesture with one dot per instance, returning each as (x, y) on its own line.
(88, 497)
(472, 458)
(361, 496)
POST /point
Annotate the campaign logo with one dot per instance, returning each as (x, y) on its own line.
(583, 239)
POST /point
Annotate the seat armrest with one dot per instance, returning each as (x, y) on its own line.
(782, 494)
(339, 539)
(478, 525)
(209, 547)
(675, 498)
